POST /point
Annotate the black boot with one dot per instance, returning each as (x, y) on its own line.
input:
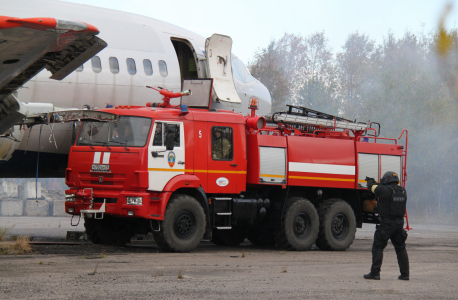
(372, 276)
(403, 277)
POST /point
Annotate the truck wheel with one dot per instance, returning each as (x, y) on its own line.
(110, 230)
(183, 227)
(261, 237)
(227, 237)
(337, 225)
(300, 225)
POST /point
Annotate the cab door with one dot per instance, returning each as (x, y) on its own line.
(164, 164)
(226, 163)
(219, 67)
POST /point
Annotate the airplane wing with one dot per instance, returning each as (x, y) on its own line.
(70, 115)
(29, 45)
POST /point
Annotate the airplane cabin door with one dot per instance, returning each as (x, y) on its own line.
(188, 59)
(219, 67)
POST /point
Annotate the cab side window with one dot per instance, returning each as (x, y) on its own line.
(222, 143)
(160, 133)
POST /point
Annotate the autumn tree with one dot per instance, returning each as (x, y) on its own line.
(403, 82)
(319, 82)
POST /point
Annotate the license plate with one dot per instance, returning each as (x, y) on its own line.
(100, 168)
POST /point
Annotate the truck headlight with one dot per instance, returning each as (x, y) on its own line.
(135, 200)
(70, 198)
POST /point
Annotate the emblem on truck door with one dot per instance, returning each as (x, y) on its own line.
(171, 159)
(222, 181)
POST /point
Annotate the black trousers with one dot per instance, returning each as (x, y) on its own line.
(390, 229)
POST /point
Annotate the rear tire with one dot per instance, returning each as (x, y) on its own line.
(300, 225)
(183, 227)
(110, 230)
(337, 225)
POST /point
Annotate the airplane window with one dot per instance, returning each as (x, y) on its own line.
(148, 67)
(242, 70)
(163, 68)
(96, 64)
(79, 69)
(114, 65)
(131, 68)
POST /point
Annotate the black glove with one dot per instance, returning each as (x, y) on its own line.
(370, 179)
(370, 182)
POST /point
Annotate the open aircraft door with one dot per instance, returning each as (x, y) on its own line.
(219, 67)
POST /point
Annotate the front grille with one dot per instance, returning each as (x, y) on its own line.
(104, 175)
(107, 200)
(103, 183)
(110, 179)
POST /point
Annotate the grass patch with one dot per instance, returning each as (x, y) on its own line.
(21, 246)
(3, 232)
(41, 262)
(180, 275)
(158, 274)
(243, 253)
(102, 255)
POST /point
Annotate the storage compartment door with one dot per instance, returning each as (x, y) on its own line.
(368, 165)
(272, 165)
(391, 163)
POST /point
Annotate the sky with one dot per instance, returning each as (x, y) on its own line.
(252, 24)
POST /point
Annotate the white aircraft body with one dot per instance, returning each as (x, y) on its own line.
(141, 52)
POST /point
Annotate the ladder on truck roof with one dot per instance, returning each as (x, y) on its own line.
(309, 117)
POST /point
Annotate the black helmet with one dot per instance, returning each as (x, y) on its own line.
(390, 177)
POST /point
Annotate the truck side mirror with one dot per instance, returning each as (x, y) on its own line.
(74, 133)
(169, 137)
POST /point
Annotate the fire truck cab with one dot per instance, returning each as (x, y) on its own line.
(191, 172)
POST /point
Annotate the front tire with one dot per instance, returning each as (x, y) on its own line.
(300, 225)
(110, 230)
(183, 227)
(337, 225)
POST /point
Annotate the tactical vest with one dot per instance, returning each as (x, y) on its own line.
(395, 205)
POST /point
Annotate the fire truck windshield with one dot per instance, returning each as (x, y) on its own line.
(126, 132)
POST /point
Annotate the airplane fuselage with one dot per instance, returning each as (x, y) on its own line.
(141, 52)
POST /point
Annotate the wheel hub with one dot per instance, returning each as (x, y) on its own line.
(184, 224)
(302, 225)
(339, 226)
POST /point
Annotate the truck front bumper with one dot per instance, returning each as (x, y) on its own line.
(152, 207)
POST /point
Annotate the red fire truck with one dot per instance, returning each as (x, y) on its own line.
(190, 172)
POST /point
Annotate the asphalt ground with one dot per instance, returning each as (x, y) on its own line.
(141, 271)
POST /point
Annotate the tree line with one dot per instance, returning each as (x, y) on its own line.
(403, 82)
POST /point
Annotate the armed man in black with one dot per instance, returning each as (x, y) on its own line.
(391, 201)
